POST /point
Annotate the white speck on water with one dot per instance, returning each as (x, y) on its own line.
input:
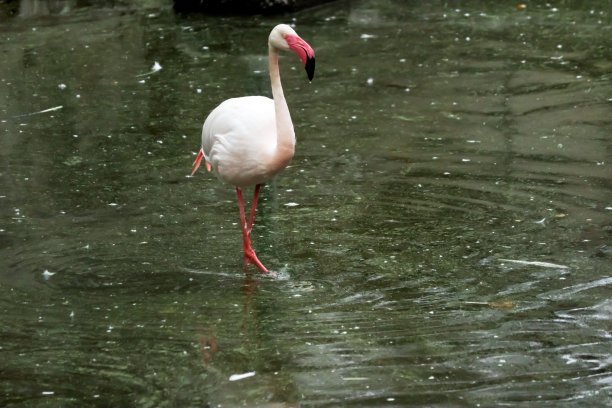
(390, 399)
(370, 81)
(47, 274)
(142, 81)
(238, 377)
(466, 160)
(48, 393)
(291, 204)
(62, 86)
(156, 67)
(367, 36)
(199, 90)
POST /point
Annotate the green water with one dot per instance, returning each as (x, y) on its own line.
(441, 238)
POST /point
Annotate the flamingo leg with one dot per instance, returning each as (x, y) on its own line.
(249, 253)
(253, 208)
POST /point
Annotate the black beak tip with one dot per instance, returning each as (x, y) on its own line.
(310, 67)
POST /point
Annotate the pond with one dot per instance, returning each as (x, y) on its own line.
(440, 239)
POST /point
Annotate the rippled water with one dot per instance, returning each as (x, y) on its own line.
(441, 237)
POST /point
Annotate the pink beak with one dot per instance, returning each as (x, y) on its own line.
(304, 52)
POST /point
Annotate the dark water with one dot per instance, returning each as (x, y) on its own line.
(441, 237)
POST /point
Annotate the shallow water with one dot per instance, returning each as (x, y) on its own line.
(440, 239)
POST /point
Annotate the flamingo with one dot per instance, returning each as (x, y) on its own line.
(250, 139)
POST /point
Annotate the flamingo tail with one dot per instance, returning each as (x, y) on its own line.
(198, 161)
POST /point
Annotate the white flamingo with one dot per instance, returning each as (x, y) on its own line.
(248, 140)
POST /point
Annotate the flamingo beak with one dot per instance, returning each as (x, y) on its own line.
(304, 52)
(310, 66)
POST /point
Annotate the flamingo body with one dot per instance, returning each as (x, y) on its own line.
(239, 141)
(250, 139)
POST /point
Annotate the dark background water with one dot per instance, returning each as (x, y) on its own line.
(441, 237)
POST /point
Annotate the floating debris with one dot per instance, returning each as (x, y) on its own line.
(238, 377)
(155, 68)
(535, 263)
(39, 112)
(502, 304)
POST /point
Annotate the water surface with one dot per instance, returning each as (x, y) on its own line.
(440, 239)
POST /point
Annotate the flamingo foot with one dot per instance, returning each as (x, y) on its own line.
(251, 257)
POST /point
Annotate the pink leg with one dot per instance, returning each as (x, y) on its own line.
(249, 253)
(253, 208)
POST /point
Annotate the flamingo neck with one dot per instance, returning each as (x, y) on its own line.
(285, 145)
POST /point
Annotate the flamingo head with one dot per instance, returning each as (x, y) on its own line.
(284, 37)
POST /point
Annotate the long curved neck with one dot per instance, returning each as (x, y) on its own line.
(285, 134)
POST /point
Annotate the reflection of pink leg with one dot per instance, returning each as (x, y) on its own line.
(249, 253)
